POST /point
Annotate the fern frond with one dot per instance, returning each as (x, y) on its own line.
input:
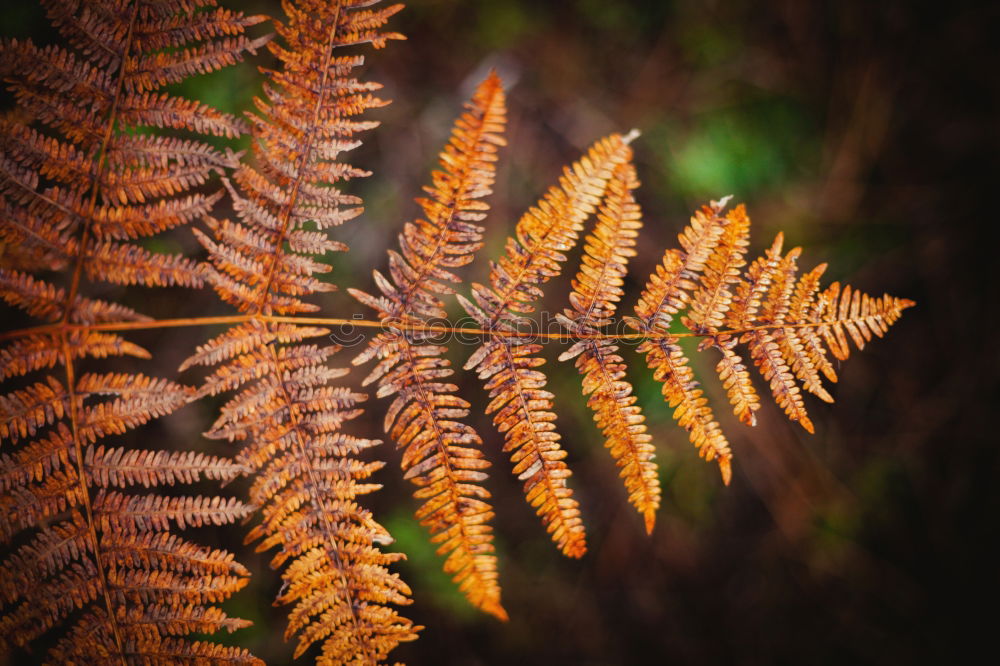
(736, 380)
(441, 454)
(287, 408)
(81, 189)
(43, 300)
(127, 467)
(522, 406)
(683, 393)
(712, 298)
(94, 564)
(668, 291)
(306, 122)
(862, 316)
(711, 301)
(784, 321)
(765, 346)
(596, 292)
(42, 481)
(96, 171)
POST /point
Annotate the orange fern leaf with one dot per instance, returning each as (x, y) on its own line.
(522, 406)
(709, 305)
(441, 454)
(668, 291)
(286, 408)
(765, 347)
(80, 187)
(783, 320)
(596, 292)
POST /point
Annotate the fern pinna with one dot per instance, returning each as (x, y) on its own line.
(289, 408)
(442, 454)
(507, 364)
(596, 292)
(82, 183)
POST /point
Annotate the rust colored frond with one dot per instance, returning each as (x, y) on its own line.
(709, 305)
(668, 291)
(95, 180)
(441, 454)
(712, 298)
(770, 356)
(307, 120)
(691, 410)
(99, 157)
(521, 406)
(287, 408)
(307, 483)
(736, 380)
(785, 321)
(45, 301)
(81, 188)
(126, 467)
(669, 288)
(860, 314)
(596, 292)
(107, 555)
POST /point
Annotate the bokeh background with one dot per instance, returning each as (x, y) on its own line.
(868, 133)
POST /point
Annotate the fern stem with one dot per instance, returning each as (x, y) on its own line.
(332, 546)
(81, 471)
(71, 294)
(102, 155)
(562, 336)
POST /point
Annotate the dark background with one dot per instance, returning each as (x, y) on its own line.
(868, 133)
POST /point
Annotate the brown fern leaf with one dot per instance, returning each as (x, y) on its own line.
(307, 120)
(668, 291)
(770, 356)
(712, 298)
(711, 301)
(307, 480)
(287, 407)
(789, 325)
(442, 455)
(76, 529)
(94, 181)
(812, 355)
(735, 379)
(596, 292)
(80, 184)
(43, 300)
(522, 406)
(784, 320)
(861, 315)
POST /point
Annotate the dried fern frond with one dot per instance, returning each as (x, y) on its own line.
(522, 406)
(668, 291)
(288, 407)
(82, 183)
(441, 454)
(307, 482)
(97, 551)
(308, 118)
(780, 318)
(88, 180)
(596, 292)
